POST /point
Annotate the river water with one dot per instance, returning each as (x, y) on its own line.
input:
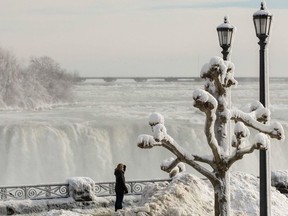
(90, 136)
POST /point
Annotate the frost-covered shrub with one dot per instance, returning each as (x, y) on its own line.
(41, 83)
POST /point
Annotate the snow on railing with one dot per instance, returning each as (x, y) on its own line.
(54, 191)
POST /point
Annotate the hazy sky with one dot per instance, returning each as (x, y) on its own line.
(140, 37)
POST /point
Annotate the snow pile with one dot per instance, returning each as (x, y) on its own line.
(279, 179)
(185, 195)
(245, 196)
(188, 195)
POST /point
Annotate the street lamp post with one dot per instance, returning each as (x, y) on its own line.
(225, 35)
(262, 22)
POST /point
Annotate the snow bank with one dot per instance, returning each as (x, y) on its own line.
(185, 195)
(188, 195)
(279, 179)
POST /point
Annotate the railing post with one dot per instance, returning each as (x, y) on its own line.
(48, 191)
(3, 193)
(111, 188)
(25, 192)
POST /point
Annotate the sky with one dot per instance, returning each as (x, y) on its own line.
(140, 37)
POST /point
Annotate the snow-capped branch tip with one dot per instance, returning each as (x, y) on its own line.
(204, 100)
(178, 169)
(156, 121)
(241, 131)
(168, 164)
(218, 68)
(172, 166)
(255, 105)
(146, 141)
(216, 61)
(274, 130)
(159, 132)
(262, 142)
(262, 115)
(156, 118)
(278, 131)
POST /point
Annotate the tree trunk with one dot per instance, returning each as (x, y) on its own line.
(222, 194)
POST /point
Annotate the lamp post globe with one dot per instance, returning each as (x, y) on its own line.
(262, 21)
(225, 35)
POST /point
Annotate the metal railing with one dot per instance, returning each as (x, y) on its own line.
(34, 192)
(53, 191)
(134, 187)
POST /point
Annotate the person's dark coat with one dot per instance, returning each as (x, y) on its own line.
(120, 186)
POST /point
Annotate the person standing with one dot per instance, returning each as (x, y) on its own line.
(120, 187)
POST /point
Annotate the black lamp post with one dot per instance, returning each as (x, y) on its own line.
(225, 35)
(262, 22)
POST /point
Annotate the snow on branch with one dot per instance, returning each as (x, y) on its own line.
(173, 166)
(205, 102)
(156, 118)
(241, 132)
(146, 141)
(219, 70)
(255, 105)
(274, 130)
(156, 121)
(261, 142)
(169, 164)
(161, 138)
(170, 144)
(261, 113)
(239, 153)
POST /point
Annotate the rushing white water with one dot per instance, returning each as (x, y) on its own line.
(90, 136)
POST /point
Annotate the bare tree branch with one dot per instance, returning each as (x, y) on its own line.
(239, 153)
(146, 141)
(170, 144)
(172, 164)
(204, 160)
(209, 109)
(274, 131)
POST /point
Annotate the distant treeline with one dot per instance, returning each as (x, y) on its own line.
(40, 83)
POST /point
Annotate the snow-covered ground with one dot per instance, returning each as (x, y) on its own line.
(185, 195)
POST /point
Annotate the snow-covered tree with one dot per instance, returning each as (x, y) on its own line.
(225, 148)
(56, 81)
(42, 83)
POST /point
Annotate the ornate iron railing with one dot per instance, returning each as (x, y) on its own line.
(134, 187)
(53, 191)
(35, 192)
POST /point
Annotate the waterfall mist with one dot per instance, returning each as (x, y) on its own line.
(91, 136)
